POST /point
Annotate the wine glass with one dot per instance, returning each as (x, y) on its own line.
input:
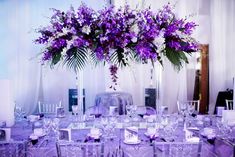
(75, 110)
(191, 109)
(128, 110)
(113, 122)
(164, 121)
(47, 125)
(55, 124)
(105, 124)
(183, 108)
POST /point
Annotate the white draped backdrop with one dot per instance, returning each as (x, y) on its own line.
(32, 82)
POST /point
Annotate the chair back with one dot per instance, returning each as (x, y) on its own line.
(229, 104)
(48, 108)
(177, 149)
(195, 103)
(80, 149)
(12, 148)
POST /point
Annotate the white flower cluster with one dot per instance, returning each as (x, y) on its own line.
(160, 41)
(86, 29)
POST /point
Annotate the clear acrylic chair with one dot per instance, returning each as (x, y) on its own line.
(195, 103)
(177, 149)
(229, 104)
(12, 148)
(48, 108)
(45, 151)
(80, 149)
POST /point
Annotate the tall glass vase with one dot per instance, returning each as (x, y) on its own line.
(79, 86)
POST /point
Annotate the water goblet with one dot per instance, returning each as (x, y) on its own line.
(191, 109)
(128, 110)
(47, 125)
(183, 108)
(75, 110)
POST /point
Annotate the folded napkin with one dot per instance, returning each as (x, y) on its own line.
(33, 118)
(193, 139)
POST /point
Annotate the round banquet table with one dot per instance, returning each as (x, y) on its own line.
(118, 99)
(21, 132)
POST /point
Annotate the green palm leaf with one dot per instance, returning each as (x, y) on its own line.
(177, 58)
(77, 58)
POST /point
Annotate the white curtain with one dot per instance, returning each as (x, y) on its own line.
(32, 82)
(18, 61)
(221, 47)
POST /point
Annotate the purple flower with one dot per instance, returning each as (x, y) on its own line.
(145, 32)
(99, 53)
(46, 56)
(174, 44)
(59, 43)
(145, 51)
(188, 27)
(79, 42)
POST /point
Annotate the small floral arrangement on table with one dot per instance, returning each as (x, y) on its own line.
(116, 37)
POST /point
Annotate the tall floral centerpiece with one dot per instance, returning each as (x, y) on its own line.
(116, 36)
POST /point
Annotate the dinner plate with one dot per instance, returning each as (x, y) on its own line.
(94, 136)
(131, 142)
(60, 116)
(193, 128)
(39, 135)
(148, 135)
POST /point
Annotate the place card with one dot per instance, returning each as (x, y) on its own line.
(60, 112)
(65, 134)
(131, 134)
(5, 134)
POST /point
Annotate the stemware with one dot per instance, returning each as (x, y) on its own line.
(47, 125)
(128, 110)
(105, 126)
(183, 108)
(75, 110)
(55, 127)
(169, 125)
(191, 109)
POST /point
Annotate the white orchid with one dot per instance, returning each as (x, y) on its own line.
(86, 29)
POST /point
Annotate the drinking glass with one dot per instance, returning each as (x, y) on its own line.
(105, 126)
(183, 108)
(191, 109)
(113, 122)
(47, 125)
(128, 110)
(55, 127)
(75, 110)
